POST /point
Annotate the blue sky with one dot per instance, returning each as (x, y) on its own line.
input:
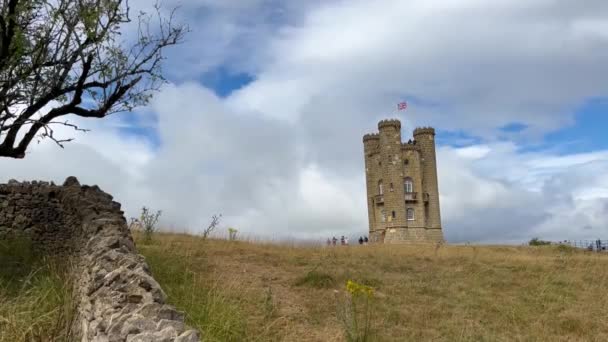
(224, 82)
(587, 133)
(267, 102)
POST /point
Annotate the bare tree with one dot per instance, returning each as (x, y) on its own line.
(60, 57)
(215, 221)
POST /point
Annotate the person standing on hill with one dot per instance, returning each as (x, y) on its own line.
(334, 240)
(360, 240)
(365, 240)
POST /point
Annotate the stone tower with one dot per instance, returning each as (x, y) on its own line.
(402, 187)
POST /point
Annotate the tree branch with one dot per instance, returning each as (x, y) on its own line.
(8, 31)
(70, 62)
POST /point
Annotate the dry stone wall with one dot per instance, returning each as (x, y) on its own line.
(117, 298)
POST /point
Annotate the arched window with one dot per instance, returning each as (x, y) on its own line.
(408, 185)
(410, 214)
(380, 188)
(390, 187)
(393, 214)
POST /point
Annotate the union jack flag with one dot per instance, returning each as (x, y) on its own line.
(402, 105)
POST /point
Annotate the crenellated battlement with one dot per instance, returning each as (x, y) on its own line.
(389, 123)
(371, 136)
(424, 130)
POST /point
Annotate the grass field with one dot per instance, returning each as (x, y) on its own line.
(245, 291)
(242, 291)
(35, 303)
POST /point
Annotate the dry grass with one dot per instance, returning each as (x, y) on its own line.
(35, 301)
(238, 291)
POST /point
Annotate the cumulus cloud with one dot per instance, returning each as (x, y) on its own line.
(224, 33)
(469, 65)
(267, 183)
(497, 193)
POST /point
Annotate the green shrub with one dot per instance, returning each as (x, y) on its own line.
(232, 233)
(17, 259)
(148, 221)
(316, 279)
(537, 242)
(565, 248)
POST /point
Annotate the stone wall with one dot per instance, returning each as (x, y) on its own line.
(35, 209)
(117, 298)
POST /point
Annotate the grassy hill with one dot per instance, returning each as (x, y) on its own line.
(242, 291)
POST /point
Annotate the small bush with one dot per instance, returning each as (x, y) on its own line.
(232, 234)
(17, 258)
(538, 242)
(316, 279)
(565, 248)
(148, 221)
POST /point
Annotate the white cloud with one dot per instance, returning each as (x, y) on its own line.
(510, 195)
(486, 64)
(256, 172)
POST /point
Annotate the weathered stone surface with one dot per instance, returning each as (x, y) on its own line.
(188, 336)
(70, 181)
(402, 188)
(118, 299)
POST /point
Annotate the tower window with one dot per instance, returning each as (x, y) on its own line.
(410, 214)
(391, 187)
(407, 161)
(393, 214)
(408, 185)
(380, 188)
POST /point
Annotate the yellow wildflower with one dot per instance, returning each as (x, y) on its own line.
(357, 289)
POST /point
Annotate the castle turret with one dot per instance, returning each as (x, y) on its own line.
(402, 191)
(371, 147)
(371, 143)
(390, 135)
(425, 138)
